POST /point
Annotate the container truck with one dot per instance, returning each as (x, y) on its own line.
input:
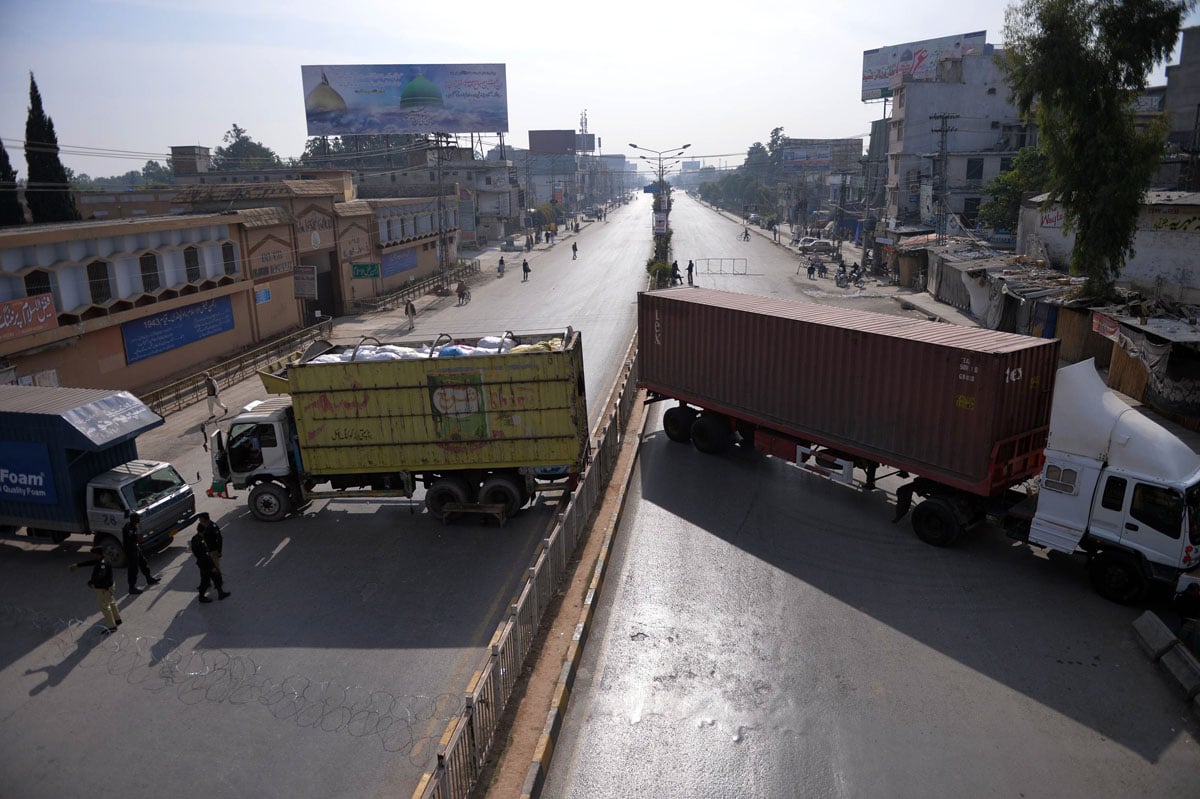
(971, 418)
(69, 466)
(480, 428)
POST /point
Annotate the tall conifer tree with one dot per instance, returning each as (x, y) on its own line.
(46, 191)
(11, 211)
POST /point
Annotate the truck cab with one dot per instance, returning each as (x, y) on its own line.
(1118, 486)
(152, 489)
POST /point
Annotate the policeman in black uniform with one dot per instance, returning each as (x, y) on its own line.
(209, 575)
(212, 538)
(102, 581)
(135, 558)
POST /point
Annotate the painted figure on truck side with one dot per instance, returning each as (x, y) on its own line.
(458, 407)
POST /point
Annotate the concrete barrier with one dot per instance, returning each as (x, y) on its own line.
(1172, 657)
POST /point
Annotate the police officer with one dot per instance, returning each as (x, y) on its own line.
(208, 574)
(135, 558)
(102, 581)
(212, 538)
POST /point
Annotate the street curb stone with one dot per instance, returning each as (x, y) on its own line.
(1183, 668)
(1153, 635)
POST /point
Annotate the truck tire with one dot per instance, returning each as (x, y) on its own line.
(677, 424)
(502, 489)
(1117, 577)
(444, 491)
(114, 552)
(711, 434)
(270, 502)
(935, 522)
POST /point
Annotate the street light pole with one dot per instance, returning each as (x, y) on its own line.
(665, 203)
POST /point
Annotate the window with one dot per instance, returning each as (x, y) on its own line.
(974, 169)
(488, 180)
(37, 282)
(106, 499)
(148, 263)
(191, 264)
(432, 177)
(1061, 480)
(229, 258)
(1114, 494)
(970, 209)
(1006, 164)
(98, 283)
(1161, 508)
(246, 442)
(393, 177)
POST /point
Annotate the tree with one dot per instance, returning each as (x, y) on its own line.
(11, 211)
(47, 192)
(1076, 66)
(155, 174)
(242, 152)
(1028, 175)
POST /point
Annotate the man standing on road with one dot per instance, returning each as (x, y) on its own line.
(574, 250)
(209, 575)
(410, 311)
(135, 558)
(102, 582)
(214, 396)
(212, 538)
(691, 268)
(525, 270)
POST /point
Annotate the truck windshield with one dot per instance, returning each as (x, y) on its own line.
(149, 488)
(1192, 499)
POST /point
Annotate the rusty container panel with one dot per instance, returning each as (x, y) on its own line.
(954, 404)
(519, 409)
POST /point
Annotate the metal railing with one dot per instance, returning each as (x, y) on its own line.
(469, 736)
(190, 390)
(410, 291)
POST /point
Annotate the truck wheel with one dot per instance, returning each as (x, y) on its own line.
(711, 434)
(500, 489)
(270, 502)
(677, 424)
(1117, 578)
(935, 523)
(444, 491)
(114, 553)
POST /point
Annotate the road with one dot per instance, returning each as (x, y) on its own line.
(766, 633)
(353, 629)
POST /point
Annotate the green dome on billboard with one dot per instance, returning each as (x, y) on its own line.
(420, 91)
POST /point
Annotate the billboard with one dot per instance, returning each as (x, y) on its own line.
(163, 332)
(918, 59)
(585, 142)
(808, 156)
(557, 142)
(372, 99)
(27, 315)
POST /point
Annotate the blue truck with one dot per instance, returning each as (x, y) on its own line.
(69, 466)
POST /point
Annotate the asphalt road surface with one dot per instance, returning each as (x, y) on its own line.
(353, 628)
(763, 632)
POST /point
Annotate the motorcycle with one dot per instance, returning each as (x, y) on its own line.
(840, 278)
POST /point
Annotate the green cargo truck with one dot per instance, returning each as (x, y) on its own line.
(479, 432)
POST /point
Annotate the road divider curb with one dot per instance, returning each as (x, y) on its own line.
(539, 769)
(1172, 657)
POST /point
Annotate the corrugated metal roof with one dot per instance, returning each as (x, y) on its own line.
(265, 217)
(956, 336)
(100, 417)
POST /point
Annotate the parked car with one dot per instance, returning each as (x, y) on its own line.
(753, 219)
(817, 245)
(805, 241)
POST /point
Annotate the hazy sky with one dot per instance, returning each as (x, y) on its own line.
(122, 75)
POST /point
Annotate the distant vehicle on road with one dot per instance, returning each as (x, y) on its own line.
(754, 219)
(816, 245)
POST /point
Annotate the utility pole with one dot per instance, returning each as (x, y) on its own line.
(940, 177)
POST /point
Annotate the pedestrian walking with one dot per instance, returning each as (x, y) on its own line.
(135, 558)
(209, 574)
(213, 392)
(500, 267)
(691, 268)
(525, 270)
(676, 279)
(410, 312)
(212, 538)
(462, 292)
(102, 581)
(574, 250)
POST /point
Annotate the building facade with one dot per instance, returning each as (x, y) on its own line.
(948, 137)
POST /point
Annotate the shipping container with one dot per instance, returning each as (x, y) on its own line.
(965, 407)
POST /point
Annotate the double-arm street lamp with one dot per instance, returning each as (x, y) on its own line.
(670, 152)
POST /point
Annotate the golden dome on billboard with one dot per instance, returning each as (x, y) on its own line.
(324, 97)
